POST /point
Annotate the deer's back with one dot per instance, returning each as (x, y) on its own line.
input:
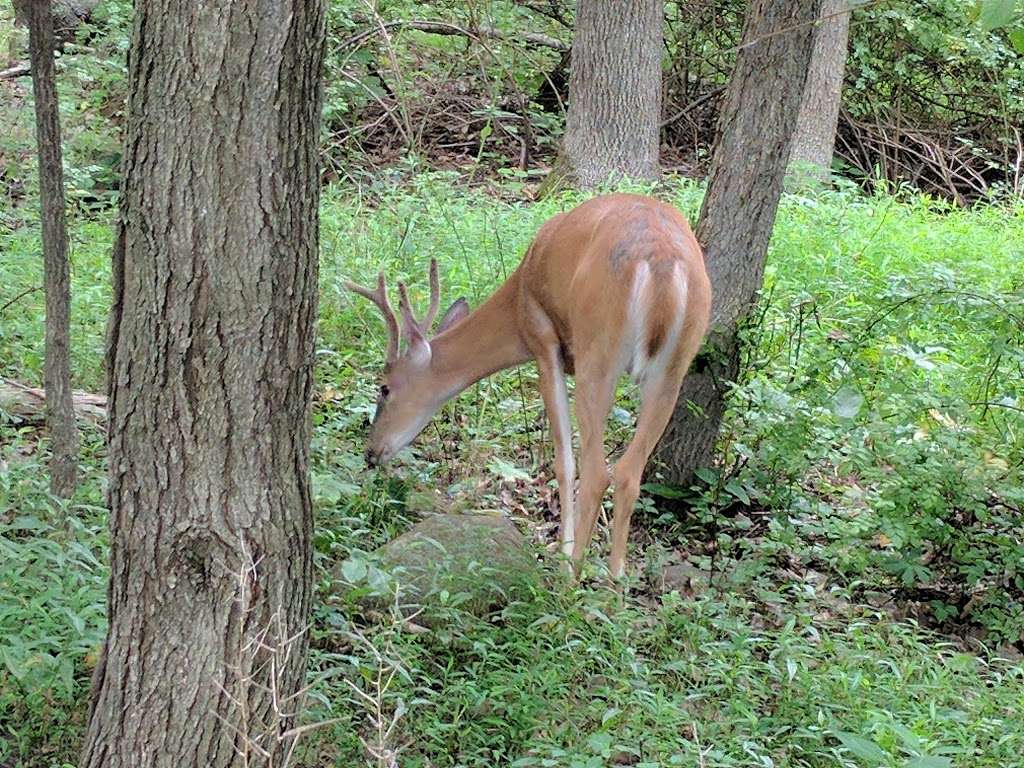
(616, 269)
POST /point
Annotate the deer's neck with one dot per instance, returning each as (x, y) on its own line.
(486, 341)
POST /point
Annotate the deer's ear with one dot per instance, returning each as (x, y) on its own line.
(456, 312)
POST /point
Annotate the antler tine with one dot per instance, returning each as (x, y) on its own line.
(409, 320)
(435, 298)
(380, 298)
(423, 326)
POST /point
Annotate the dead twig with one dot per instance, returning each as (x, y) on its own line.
(20, 296)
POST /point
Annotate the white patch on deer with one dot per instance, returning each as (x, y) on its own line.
(637, 310)
(649, 371)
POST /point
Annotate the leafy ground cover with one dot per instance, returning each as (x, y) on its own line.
(853, 588)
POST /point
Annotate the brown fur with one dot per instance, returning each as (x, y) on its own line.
(655, 338)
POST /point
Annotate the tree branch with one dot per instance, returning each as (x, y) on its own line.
(19, 70)
(445, 28)
(31, 289)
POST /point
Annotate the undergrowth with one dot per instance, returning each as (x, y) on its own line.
(855, 571)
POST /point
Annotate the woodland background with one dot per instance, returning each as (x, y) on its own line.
(844, 587)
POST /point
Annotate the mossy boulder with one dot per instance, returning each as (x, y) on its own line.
(475, 563)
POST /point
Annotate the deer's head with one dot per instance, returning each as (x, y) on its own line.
(411, 390)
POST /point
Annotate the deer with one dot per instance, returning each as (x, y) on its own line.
(615, 286)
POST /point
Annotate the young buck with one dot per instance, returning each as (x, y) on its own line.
(615, 285)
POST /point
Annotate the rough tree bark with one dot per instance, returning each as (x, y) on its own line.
(210, 360)
(60, 412)
(612, 124)
(815, 137)
(751, 152)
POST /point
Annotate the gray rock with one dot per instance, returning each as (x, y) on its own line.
(1010, 653)
(476, 563)
(685, 577)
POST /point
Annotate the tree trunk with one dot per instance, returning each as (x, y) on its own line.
(60, 412)
(751, 150)
(612, 124)
(815, 137)
(210, 361)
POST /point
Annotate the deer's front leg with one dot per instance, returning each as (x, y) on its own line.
(556, 403)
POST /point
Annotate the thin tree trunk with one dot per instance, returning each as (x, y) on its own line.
(612, 125)
(815, 137)
(210, 361)
(60, 412)
(751, 150)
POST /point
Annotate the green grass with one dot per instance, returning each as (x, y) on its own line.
(570, 680)
(872, 470)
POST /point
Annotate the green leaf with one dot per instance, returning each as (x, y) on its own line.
(996, 13)
(1017, 39)
(506, 471)
(928, 761)
(76, 621)
(738, 491)
(664, 491)
(610, 714)
(13, 664)
(846, 403)
(791, 669)
(709, 476)
(27, 523)
(66, 674)
(353, 570)
(861, 747)
(600, 742)
(907, 737)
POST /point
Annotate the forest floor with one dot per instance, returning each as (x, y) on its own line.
(853, 571)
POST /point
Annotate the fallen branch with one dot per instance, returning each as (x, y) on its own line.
(28, 404)
(444, 28)
(17, 71)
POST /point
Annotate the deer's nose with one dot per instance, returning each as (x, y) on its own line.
(371, 458)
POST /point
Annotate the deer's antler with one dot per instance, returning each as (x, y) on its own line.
(435, 297)
(379, 297)
(405, 306)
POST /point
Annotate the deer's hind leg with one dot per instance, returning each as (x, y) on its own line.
(658, 401)
(655, 412)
